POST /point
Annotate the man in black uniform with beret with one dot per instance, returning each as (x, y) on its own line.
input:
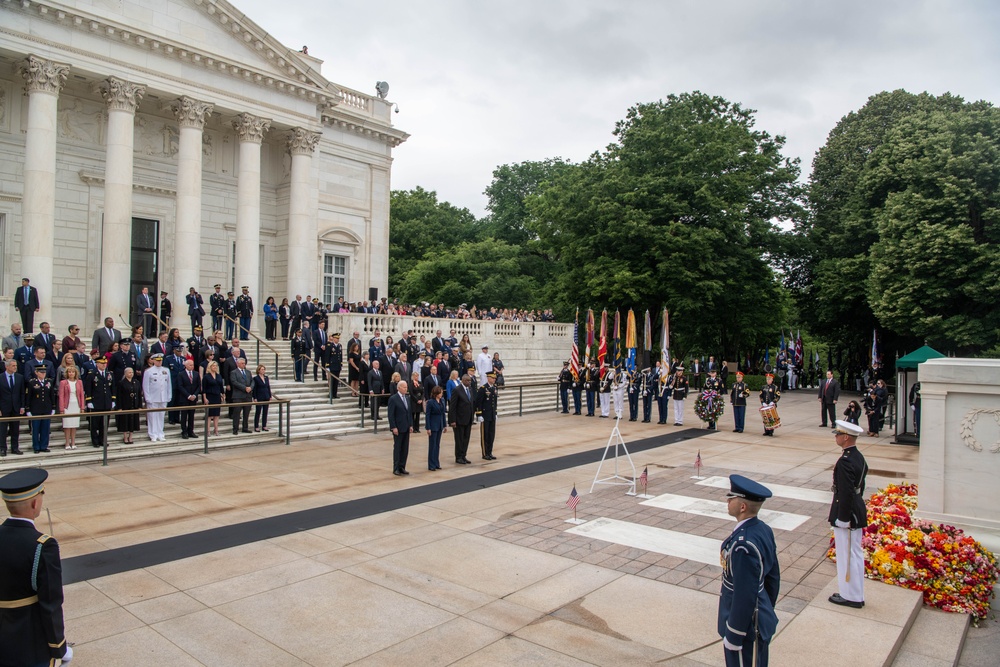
(31, 594)
(750, 577)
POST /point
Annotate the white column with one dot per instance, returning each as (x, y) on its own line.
(250, 130)
(123, 99)
(43, 81)
(302, 229)
(191, 115)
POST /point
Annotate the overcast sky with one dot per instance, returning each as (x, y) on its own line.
(480, 84)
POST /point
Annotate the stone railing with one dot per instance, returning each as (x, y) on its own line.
(526, 344)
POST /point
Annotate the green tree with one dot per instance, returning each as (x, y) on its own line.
(680, 211)
(512, 185)
(419, 224)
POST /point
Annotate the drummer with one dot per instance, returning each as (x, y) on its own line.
(770, 394)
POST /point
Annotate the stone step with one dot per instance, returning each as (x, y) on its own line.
(936, 639)
(826, 634)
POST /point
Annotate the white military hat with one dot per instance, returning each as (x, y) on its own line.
(847, 428)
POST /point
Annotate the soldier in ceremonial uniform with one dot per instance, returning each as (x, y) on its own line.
(769, 394)
(664, 384)
(849, 516)
(750, 578)
(157, 388)
(646, 388)
(565, 380)
(618, 390)
(605, 392)
(31, 593)
(335, 354)
(678, 393)
(577, 388)
(217, 304)
(99, 390)
(165, 310)
(738, 397)
(244, 309)
(229, 312)
(486, 415)
(591, 383)
(713, 383)
(195, 345)
(633, 395)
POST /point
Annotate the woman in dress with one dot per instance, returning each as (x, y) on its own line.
(353, 367)
(465, 345)
(129, 398)
(174, 340)
(498, 369)
(70, 401)
(436, 424)
(416, 390)
(270, 319)
(284, 317)
(213, 388)
(261, 395)
(453, 382)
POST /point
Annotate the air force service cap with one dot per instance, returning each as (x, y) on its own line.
(23, 484)
(744, 487)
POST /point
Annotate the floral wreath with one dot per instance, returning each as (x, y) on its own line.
(709, 406)
(969, 422)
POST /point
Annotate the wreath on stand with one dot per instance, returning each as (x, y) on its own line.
(709, 406)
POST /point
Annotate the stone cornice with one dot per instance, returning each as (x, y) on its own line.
(333, 118)
(97, 178)
(121, 95)
(191, 112)
(42, 75)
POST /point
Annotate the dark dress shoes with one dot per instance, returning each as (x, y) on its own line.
(836, 599)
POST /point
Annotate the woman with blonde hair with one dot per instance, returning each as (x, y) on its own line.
(71, 400)
(67, 361)
(213, 388)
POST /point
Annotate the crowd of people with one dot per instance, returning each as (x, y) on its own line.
(46, 375)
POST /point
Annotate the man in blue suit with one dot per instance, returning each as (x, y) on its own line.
(11, 405)
(750, 578)
(400, 423)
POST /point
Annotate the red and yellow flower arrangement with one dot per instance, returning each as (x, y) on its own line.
(952, 570)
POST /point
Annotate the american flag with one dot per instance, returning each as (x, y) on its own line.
(574, 356)
(799, 353)
(574, 498)
(697, 461)
(644, 477)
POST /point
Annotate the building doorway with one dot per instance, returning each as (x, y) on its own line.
(145, 266)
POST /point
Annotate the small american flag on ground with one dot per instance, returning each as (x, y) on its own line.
(644, 477)
(574, 498)
(697, 461)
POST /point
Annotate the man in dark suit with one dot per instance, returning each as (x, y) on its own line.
(39, 361)
(44, 338)
(106, 336)
(295, 312)
(461, 414)
(145, 306)
(403, 366)
(375, 387)
(432, 380)
(400, 423)
(11, 405)
(26, 304)
(242, 386)
(829, 392)
(100, 395)
(189, 386)
(196, 308)
(31, 593)
(319, 350)
(160, 346)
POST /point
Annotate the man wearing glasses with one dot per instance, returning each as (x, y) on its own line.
(750, 577)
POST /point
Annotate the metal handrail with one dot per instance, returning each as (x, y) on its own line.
(260, 341)
(284, 417)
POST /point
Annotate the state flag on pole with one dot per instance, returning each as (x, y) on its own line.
(574, 356)
(574, 498)
(644, 477)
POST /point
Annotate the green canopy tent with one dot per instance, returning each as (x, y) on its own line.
(907, 375)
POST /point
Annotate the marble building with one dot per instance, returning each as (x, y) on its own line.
(176, 144)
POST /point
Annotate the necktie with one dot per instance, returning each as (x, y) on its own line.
(10, 380)
(190, 377)
(25, 296)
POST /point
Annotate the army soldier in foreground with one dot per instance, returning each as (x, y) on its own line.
(31, 594)
(750, 578)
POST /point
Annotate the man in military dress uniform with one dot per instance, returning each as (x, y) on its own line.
(244, 308)
(849, 516)
(229, 310)
(486, 415)
(646, 388)
(577, 388)
(713, 383)
(165, 311)
(750, 578)
(769, 394)
(31, 593)
(605, 392)
(664, 385)
(633, 395)
(157, 388)
(99, 393)
(196, 344)
(591, 382)
(738, 397)
(618, 389)
(565, 380)
(678, 393)
(335, 354)
(217, 304)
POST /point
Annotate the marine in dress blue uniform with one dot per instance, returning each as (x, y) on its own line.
(31, 593)
(849, 516)
(750, 578)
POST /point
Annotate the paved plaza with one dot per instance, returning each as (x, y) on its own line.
(314, 554)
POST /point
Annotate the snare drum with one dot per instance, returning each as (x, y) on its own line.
(769, 414)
